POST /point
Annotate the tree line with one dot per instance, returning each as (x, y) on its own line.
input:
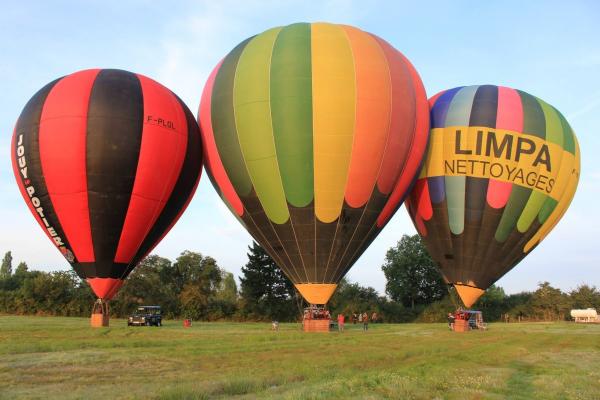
(195, 286)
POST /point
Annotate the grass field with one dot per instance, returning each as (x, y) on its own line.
(62, 358)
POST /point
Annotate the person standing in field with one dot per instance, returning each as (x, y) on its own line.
(451, 319)
(365, 321)
(360, 317)
(374, 317)
(340, 319)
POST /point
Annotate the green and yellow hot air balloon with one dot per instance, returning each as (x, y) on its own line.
(313, 135)
(501, 169)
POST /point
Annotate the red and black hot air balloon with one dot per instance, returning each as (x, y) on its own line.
(106, 160)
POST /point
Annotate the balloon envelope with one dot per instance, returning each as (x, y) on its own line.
(313, 134)
(502, 167)
(106, 160)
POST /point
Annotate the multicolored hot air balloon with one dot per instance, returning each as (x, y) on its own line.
(107, 161)
(501, 170)
(313, 135)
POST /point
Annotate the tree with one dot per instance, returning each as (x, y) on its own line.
(189, 287)
(352, 298)
(492, 303)
(412, 276)
(585, 297)
(266, 292)
(228, 290)
(21, 269)
(518, 305)
(549, 303)
(199, 278)
(226, 299)
(6, 268)
(148, 284)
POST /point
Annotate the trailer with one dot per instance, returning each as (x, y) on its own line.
(587, 316)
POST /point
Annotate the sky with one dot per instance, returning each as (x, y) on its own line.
(550, 49)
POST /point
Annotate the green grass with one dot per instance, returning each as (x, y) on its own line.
(63, 358)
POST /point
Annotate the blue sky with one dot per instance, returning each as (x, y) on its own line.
(548, 48)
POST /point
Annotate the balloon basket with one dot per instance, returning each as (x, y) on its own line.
(100, 314)
(316, 319)
(316, 325)
(461, 325)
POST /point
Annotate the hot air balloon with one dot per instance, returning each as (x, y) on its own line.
(107, 161)
(313, 134)
(501, 169)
